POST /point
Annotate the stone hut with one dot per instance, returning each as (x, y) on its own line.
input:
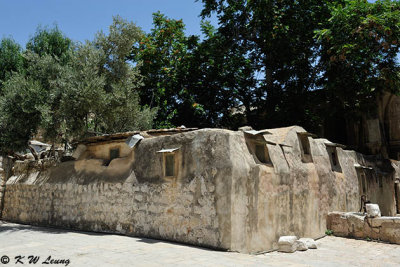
(230, 190)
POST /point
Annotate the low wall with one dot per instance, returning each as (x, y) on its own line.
(349, 224)
(184, 213)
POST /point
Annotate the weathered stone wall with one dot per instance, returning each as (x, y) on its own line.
(288, 197)
(359, 226)
(165, 211)
(221, 195)
(130, 195)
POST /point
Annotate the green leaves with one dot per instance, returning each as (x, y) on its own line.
(50, 41)
(10, 59)
(66, 90)
(20, 112)
(360, 45)
(165, 55)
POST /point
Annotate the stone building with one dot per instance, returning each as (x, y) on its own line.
(232, 190)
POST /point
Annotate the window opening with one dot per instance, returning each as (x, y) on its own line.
(260, 153)
(114, 153)
(333, 155)
(304, 144)
(363, 183)
(170, 165)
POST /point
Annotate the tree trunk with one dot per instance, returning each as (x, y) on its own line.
(8, 163)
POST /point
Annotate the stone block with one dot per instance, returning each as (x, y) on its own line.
(337, 222)
(301, 245)
(390, 233)
(373, 210)
(287, 244)
(311, 244)
(376, 222)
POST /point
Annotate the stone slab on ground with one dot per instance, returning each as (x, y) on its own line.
(95, 249)
(301, 245)
(311, 244)
(287, 244)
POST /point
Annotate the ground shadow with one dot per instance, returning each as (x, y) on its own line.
(10, 227)
(16, 227)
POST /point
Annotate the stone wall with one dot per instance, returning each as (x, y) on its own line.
(166, 211)
(220, 196)
(86, 195)
(288, 197)
(357, 225)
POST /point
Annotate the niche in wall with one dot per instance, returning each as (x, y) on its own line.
(333, 157)
(261, 152)
(170, 163)
(305, 148)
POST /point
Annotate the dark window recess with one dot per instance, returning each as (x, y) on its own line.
(364, 183)
(260, 153)
(305, 144)
(170, 165)
(333, 156)
(114, 153)
(334, 160)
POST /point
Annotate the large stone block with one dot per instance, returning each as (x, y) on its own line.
(287, 244)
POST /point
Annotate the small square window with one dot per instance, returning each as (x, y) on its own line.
(169, 165)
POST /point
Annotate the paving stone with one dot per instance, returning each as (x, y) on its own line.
(98, 249)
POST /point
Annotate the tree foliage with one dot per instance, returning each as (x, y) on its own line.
(360, 42)
(276, 38)
(67, 90)
(20, 113)
(10, 59)
(50, 41)
(265, 64)
(163, 58)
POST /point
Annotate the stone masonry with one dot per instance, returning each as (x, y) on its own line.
(231, 190)
(357, 225)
